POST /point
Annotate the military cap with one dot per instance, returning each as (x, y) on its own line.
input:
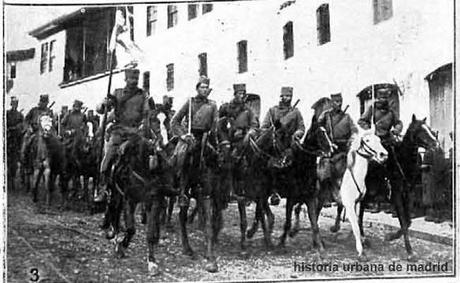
(336, 95)
(77, 103)
(44, 98)
(286, 90)
(203, 80)
(239, 87)
(64, 107)
(131, 73)
(14, 99)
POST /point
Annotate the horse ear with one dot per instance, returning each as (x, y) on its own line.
(413, 117)
(424, 120)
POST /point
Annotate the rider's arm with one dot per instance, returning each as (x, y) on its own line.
(300, 125)
(176, 126)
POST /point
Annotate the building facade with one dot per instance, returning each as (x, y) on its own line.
(317, 47)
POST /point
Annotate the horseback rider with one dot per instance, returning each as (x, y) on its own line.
(93, 119)
(131, 107)
(288, 122)
(74, 127)
(384, 119)
(14, 123)
(237, 122)
(166, 109)
(341, 130)
(203, 117)
(32, 124)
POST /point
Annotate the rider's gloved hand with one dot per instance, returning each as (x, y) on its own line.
(298, 135)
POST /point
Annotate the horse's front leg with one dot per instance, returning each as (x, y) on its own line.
(260, 215)
(287, 222)
(336, 227)
(296, 227)
(350, 208)
(313, 214)
(183, 213)
(130, 210)
(255, 223)
(153, 233)
(243, 222)
(36, 182)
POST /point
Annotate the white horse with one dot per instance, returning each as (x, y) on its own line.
(365, 147)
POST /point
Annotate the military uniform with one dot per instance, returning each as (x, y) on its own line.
(384, 119)
(32, 122)
(14, 124)
(203, 119)
(131, 107)
(74, 127)
(236, 122)
(289, 124)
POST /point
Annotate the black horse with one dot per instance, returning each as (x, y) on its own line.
(402, 169)
(135, 180)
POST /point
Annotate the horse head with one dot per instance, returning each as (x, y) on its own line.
(46, 125)
(369, 145)
(420, 134)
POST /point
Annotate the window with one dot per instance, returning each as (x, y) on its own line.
(52, 55)
(44, 57)
(131, 21)
(13, 71)
(152, 18)
(170, 77)
(288, 40)
(192, 11)
(323, 27)
(207, 8)
(383, 10)
(242, 47)
(86, 49)
(172, 15)
(146, 81)
(203, 62)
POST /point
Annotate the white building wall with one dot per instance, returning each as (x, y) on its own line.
(404, 49)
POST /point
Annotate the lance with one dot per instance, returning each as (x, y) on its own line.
(104, 117)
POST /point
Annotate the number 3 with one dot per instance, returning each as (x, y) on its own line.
(34, 272)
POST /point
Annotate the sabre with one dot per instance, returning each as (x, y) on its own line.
(52, 104)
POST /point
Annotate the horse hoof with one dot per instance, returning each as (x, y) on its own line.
(243, 246)
(119, 251)
(211, 267)
(392, 236)
(367, 243)
(188, 252)
(412, 258)
(293, 232)
(334, 229)
(244, 254)
(153, 268)
(363, 258)
(250, 234)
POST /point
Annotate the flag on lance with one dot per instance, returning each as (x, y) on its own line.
(127, 52)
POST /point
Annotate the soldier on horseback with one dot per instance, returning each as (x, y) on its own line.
(131, 107)
(384, 119)
(341, 129)
(203, 113)
(14, 125)
(74, 127)
(32, 120)
(236, 124)
(288, 122)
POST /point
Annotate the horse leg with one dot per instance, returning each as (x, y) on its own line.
(336, 226)
(209, 218)
(287, 221)
(260, 214)
(352, 217)
(186, 249)
(255, 224)
(36, 181)
(171, 202)
(296, 228)
(153, 233)
(270, 216)
(243, 222)
(366, 242)
(313, 214)
(130, 211)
